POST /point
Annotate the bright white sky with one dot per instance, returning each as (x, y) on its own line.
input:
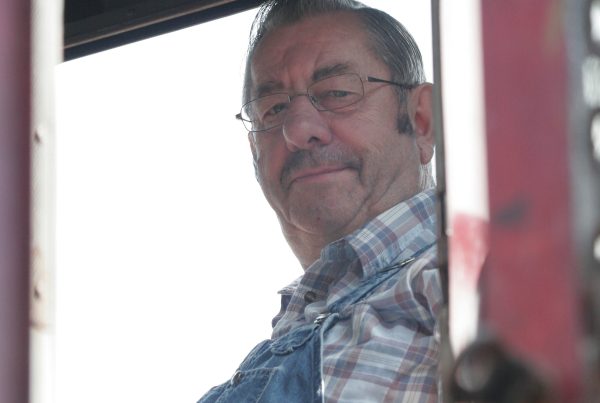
(168, 257)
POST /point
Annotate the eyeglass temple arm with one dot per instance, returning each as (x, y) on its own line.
(380, 80)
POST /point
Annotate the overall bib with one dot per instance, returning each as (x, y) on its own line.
(288, 369)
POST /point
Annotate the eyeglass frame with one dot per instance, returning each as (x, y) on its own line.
(369, 79)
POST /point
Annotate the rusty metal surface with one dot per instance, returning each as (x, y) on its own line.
(14, 199)
(530, 284)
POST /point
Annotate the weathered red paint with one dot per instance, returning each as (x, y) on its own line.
(530, 298)
(14, 199)
(469, 247)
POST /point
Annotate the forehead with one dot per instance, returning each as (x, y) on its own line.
(313, 48)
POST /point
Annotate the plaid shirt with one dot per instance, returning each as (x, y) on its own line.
(387, 350)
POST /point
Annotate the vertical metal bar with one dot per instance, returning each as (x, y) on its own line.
(530, 296)
(465, 157)
(46, 54)
(440, 161)
(14, 199)
(584, 106)
(446, 356)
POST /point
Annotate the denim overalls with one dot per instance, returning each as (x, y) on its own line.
(288, 369)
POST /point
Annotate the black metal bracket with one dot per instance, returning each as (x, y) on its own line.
(486, 372)
(91, 29)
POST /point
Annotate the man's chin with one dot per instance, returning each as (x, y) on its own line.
(325, 220)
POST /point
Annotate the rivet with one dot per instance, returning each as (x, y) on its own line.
(321, 318)
(236, 378)
(595, 136)
(595, 21)
(597, 249)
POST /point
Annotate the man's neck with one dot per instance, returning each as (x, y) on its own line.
(306, 247)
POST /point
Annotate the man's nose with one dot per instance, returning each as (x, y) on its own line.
(304, 126)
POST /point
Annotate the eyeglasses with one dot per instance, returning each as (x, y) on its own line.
(329, 94)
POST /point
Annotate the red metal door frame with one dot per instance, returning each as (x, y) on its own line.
(529, 300)
(14, 199)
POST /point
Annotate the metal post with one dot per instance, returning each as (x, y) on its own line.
(46, 52)
(446, 358)
(522, 266)
(530, 286)
(14, 199)
(466, 179)
(583, 38)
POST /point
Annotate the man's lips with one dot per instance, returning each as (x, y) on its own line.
(316, 173)
(317, 164)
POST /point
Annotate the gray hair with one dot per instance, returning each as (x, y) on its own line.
(389, 39)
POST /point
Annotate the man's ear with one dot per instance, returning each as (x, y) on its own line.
(421, 115)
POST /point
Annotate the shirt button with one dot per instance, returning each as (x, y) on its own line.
(310, 296)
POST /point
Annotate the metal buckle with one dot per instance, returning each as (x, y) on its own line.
(321, 318)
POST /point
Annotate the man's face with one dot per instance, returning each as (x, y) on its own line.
(327, 173)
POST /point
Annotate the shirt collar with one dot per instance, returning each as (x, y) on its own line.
(396, 234)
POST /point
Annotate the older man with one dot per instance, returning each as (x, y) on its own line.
(340, 127)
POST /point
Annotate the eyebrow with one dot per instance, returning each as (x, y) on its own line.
(331, 70)
(270, 87)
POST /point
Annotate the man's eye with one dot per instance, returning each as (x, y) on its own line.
(336, 99)
(336, 93)
(275, 109)
(340, 93)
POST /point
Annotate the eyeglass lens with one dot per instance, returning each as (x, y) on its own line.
(328, 94)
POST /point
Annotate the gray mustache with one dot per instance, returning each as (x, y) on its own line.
(317, 157)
